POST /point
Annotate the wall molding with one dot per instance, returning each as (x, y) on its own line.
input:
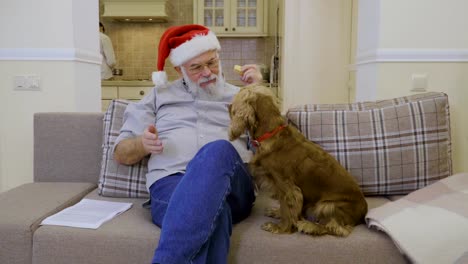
(48, 54)
(411, 55)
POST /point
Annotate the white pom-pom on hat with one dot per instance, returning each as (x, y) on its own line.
(159, 78)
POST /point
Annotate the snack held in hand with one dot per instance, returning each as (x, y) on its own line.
(238, 69)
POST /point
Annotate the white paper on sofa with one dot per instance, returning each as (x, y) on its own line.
(87, 213)
(429, 225)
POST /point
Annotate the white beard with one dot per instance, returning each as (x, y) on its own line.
(211, 92)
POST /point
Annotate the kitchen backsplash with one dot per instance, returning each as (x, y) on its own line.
(136, 45)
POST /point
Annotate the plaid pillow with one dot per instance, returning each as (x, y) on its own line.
(391, 147)
(117, 180)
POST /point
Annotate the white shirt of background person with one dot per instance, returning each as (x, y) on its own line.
(107, 52)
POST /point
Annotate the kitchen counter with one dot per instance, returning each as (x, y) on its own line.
(133, 83)
(132, 90)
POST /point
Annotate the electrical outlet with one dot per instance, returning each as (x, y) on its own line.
(29, 82)
(419, 82)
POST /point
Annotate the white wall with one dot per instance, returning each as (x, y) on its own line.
(392, 40)
(52, 39)
(315, 52)
(416, 37)
(423, 24)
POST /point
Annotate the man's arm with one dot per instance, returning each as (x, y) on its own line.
(131, 150)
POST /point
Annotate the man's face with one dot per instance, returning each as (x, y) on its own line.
(203, 76)
(201, 69)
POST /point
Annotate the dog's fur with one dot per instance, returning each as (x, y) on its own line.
(317, 196)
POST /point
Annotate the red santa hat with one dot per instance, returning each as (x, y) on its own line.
(180, 44)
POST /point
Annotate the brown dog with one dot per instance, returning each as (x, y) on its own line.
(316, 194)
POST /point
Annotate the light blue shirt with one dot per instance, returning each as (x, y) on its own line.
(184, 125)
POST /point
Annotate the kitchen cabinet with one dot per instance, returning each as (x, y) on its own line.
(129, 90)
(233, 18)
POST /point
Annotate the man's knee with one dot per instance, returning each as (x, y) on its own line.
(220, 143)
(220, 147)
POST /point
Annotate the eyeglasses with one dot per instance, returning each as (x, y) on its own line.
(197, 68)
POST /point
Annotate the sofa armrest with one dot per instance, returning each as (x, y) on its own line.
(67, 147)
(23, 209)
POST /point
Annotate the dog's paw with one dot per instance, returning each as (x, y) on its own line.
(276, 228)
(310, 228)
(338, 230)
(273, 213)
(271, 227)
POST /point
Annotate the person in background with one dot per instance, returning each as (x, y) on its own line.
(107, 52)
(198, 183)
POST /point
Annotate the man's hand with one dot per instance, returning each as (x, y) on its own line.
(150, 140)
(251, 74)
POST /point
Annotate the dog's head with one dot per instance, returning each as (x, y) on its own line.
(250, 108)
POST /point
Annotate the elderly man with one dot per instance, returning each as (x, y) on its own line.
(197, 179)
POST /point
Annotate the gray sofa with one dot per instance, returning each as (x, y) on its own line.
(67, 154)
(399, 135)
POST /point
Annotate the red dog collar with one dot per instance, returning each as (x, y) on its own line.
(267, 135)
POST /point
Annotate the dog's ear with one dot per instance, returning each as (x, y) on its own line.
(242, 114)
(248, 111)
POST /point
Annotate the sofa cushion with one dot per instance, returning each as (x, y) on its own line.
(118, 180)
(251, 244)
(390, 146)
(131, 238)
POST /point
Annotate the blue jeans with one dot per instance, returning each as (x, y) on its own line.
(196, 210)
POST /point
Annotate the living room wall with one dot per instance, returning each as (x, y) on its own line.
(433, 29)
(315, 52)
(390, 41)
(44, 38)
(399, 39)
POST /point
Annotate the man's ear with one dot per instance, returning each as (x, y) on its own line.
(178, 70)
